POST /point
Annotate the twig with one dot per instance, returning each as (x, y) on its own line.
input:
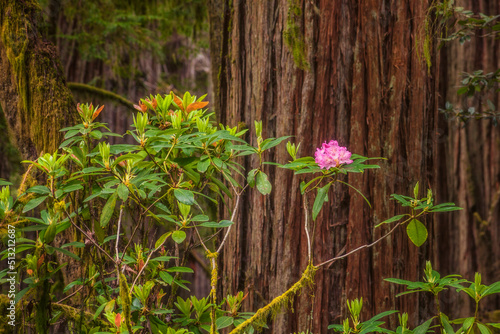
(307, 231)
(362, 247)
(71, 295)
(238, 195)
(146, 263)
(118, 235)
(88, 237)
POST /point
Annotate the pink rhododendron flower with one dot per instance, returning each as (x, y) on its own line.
(332, 155)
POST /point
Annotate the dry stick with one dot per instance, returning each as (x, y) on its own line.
(118, 235)
(361, 247)
(88, 237)
(71, 295)
(238, 195)
(307, 231)
(146, 263)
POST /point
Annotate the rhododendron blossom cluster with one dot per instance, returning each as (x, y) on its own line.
(332, 155)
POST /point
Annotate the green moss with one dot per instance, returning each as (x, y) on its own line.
(44, 101)
(277, 304)
(126, 301)
(293, 36)
(212, 257)
(75, 86)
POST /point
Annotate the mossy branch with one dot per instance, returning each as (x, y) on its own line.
(277, 304)
(80, 87)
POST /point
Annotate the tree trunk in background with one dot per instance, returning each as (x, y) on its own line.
(362, 83)
(469, 241)
(33, 92)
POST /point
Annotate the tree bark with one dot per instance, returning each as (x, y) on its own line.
(33, 92)
(322, 70)
(470, 173)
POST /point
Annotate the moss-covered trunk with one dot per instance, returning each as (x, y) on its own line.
(34, 99)
(321, 70)
(33, 92)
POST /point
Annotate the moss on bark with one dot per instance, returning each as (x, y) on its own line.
(35, 98)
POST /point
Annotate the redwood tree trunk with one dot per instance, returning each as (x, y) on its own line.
(470, 173)
(322, 70)
(33, 92)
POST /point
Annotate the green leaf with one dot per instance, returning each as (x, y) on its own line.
(251, 177)
(417, 232)
(483, 329)
(222, 223)
(202, 165)
(462, 90)
(33, 203)
(71, 188)
(42, 190)
(180, 270)
(107, 211)
(163, 258)
(391, 220)
(68, 253)
(50, 233)
(468, 322)
(166, 277)
(179, 236)
(447, 327)
(224, 322)
(122, 191)
(422, 329)
(263, 184)
(320, 200)
(162, 239)
(184, 196)
(415, 191)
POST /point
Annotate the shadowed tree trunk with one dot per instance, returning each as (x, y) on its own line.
(470, 174)
(33, 92)
(322, 70)
(36, 104)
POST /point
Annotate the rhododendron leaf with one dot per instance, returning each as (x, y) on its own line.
(196, 106)
(251, 177)
(122, 191)
(118, 320)
(107, 211)
(422, 329)
(263, 184)
(417, 232)
(179, 236)
(224, 322)
(162, 239)
(180, 269)
(33, 203)
(166, 277)
(202, 165)
(320, 200)
(222, 223)
(184, 196)
(271, 142)
(391, 220)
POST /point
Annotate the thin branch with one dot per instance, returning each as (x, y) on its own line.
(238, 196)
(362, 247)
(306, 227)
(71, 295)
(146, 263)
(118, 235)
(88, 237)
